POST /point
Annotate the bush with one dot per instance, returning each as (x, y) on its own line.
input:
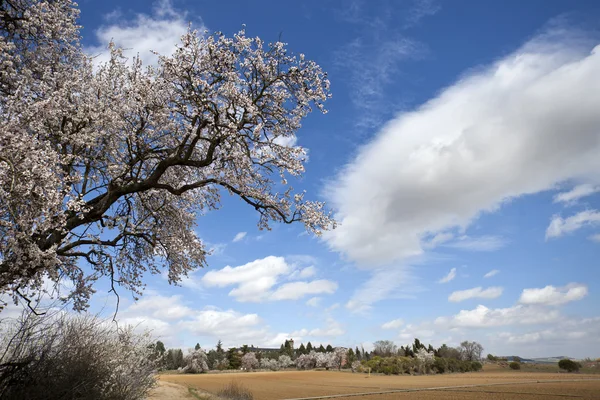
(73, 357)
(235, 391)
(195, 362)
(514, 365)
(476, 366)
(569, 365)
(440, 365)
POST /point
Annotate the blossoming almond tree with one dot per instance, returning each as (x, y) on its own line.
(103, 171)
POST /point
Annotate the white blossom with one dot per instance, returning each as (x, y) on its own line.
(195, 362)
(249, 361)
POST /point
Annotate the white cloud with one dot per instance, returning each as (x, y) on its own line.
(518, 127)
(256, 281)
(313, 302)
(438, 239)
(239, 236)
(159, 307)
(483, 243)
(143, 34)
(331, 329)
(297, 290)
(393, 324)
(554, 296)
(303, 273)
(560, 226)
(595, 238)
(451, 275)
(576, 193)
(476, 293)
(482, 317)
(389, 282)
(493, 272)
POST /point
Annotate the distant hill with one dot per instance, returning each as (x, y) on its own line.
(540, 360)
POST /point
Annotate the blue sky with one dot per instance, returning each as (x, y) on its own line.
(459, 154)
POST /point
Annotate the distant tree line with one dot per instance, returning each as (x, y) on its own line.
(385, 357)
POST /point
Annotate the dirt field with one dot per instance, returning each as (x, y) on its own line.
(491, 384)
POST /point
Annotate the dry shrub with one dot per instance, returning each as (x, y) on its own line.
(236, 391)
(73, 357)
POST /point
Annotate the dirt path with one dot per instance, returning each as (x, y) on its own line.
(170, 391)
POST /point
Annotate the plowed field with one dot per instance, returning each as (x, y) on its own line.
(489, 385)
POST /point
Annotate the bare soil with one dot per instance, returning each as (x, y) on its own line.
(305, 384)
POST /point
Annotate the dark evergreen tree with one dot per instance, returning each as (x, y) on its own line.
(197, 347)
(160, 348)
(245, 349)
(301, 350)
(220, 347)
(329, 349)
(350, 356)
(430, 349)
(212, 357)
(235, 361)
(321, 349)
(309, 347)
(358, 355)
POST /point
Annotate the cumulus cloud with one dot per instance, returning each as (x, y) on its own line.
(493, 272)
(143, 34)
(518, 127)
(482, 316)
(451, 275)
(576, 193)
(554, 296)
(239, 236)
(297, 290)
(393, 324)
(560, 226)
(256, 281)
(476, 293)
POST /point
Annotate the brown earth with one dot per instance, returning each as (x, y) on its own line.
(496, 384)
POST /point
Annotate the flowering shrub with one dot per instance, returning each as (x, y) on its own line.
(249, 361)
(60, 356)
(266, 363)
(285, 361)
(306, 361)
(195, 362)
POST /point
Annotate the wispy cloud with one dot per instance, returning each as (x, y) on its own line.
(576, 193)
(451, 275)
(475, 293)
(239, 236)
(482, 243)
(372, 60)
(394, 324)
(493, 272)
(561, 226)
